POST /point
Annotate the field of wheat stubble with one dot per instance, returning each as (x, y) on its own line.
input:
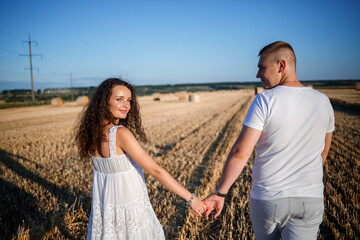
(45, 193)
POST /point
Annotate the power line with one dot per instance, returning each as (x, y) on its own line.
(9, 51)
(45, 78)
(9, 59)
(10, 43)
(50, 68)
(16, 73)
(49, 64)
(10, 36)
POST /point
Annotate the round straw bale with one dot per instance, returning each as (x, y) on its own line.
(156, 96)
(183, 96)
(56, 102)
(194, 97)
(82, 100)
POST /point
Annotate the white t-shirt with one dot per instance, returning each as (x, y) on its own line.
(294, 122)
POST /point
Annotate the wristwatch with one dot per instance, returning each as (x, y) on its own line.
(217, 193)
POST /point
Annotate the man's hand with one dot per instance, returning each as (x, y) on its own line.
(213, 202)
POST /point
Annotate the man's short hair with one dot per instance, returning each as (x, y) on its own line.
(276, 46)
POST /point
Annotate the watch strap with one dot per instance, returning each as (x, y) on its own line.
(217, 193)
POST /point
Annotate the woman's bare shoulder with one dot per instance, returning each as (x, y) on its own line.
(124, 135)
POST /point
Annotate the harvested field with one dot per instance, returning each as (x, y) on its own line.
(342, 178)
(349, 95)
(345, 98)
(45, 193)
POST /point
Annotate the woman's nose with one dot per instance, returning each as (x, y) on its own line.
(125, 104)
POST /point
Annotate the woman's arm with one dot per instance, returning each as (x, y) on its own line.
(128, 143)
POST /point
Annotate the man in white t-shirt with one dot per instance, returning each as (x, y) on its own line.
(292, 126)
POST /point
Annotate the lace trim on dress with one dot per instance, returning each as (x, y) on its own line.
(119, 220)
(112, 140)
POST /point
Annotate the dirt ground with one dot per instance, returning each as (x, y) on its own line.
(45, 192)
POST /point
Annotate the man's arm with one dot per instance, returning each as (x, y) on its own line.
(235, 162)
(325, 152)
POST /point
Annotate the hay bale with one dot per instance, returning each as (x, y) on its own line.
(194, 97)
(357, 86)
(56, 102)
(156, 96)
(183, 96)
(82, 100)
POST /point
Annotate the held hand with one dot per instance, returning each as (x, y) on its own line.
(198, 206)
(213, 202)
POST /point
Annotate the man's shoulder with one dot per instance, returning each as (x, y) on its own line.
(290, 90)
(268, 93)
(319, 94)
(285, 92)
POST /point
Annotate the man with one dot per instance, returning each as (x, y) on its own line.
(292, 126)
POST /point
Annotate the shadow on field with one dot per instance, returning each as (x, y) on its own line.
(16, 208)
(19, 208)
(345, 105)
(345, 109)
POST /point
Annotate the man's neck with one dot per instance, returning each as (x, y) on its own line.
(290, 81)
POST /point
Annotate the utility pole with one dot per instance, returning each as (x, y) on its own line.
(31, 68)
(71, 87)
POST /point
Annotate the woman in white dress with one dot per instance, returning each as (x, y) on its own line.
(108, 130)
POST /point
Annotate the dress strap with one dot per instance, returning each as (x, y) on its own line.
(112, 140)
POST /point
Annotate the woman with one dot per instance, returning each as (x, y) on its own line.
(120, 207)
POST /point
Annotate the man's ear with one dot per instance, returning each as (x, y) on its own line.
(281, 66)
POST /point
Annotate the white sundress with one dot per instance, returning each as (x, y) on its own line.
(120, 207)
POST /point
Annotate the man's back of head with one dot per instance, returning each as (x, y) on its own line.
(280, 50)
(277, 65)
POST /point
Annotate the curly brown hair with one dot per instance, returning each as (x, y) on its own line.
(96, 115)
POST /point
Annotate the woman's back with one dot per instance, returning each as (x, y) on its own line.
(112, 162)
(120, 204)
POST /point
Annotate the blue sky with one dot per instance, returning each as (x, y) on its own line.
(170, 42)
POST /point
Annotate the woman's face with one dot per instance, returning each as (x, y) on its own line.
(119, 102)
